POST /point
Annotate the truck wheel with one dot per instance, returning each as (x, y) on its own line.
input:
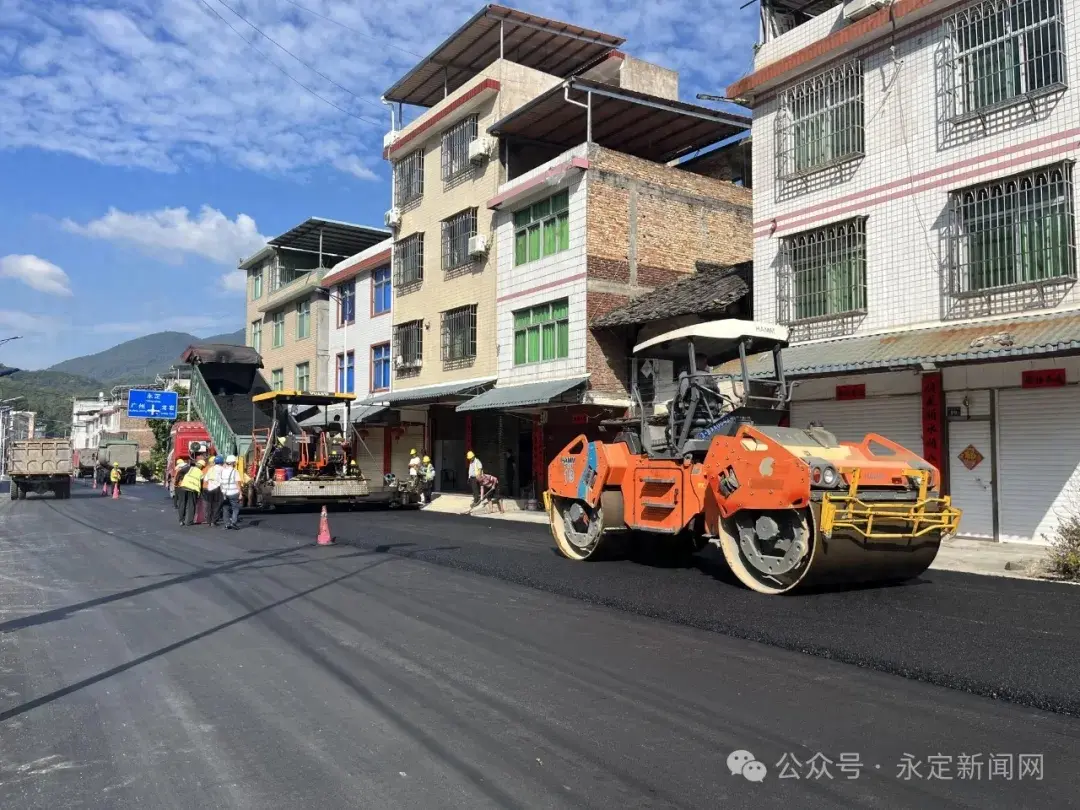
(14, 491)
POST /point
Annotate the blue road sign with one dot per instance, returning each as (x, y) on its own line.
(152, 404)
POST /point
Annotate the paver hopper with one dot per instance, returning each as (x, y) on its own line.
(717, 464)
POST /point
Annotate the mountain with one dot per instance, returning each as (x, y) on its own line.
(48, 393)
(138, 360)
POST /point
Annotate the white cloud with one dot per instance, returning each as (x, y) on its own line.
(235, 281)
(356, 167)
(193, 324)
(33, 271)
(24, 323)
(171, 231)
(166, 85)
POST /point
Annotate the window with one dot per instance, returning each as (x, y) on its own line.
(409, 260)
(823, 272)
(409, 178)
(455, 239)
(302, 377)
(459, 334)
(346, 373)
(542, 229)
(542, 333)
(408, 349)
(820, 122)
(346, 302)
(455, 148)
(256, 335)
(1018, 231)
(277, 379)
(278, 321)
(380, 367)
(381, 291)
(1004, 52)
(303, 320)
(256, 284)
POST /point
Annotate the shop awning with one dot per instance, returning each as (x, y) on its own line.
(359, 413)
(1011, 338)
(428, 394)
(526, 395)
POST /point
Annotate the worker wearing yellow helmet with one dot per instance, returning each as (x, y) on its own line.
(414, 464)
(427, 479)
(114, 478)
(476, 469)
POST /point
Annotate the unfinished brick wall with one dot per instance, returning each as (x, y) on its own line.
(605, 351)
(659, 218)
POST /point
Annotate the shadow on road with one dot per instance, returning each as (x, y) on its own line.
(56, 694)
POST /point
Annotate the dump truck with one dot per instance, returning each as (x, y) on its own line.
(40, 466)
(124, 452)
(718, 464)
(304, 457)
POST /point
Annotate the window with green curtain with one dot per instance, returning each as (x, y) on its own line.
(542, 333)
(542, 229)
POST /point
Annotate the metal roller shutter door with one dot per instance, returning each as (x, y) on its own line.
(369, 455)
(1039, 451)
(895, 418)
(399, 455)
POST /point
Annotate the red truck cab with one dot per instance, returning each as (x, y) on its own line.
(186, 440)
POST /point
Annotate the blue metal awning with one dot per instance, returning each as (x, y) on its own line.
(525, 395)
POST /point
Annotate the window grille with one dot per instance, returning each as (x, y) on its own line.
(459, 334)
(456, 232)
(409, 260)
(823, 272)
(1018, 231)
(408, 344)
(1004, 52)
(820, 122)
(409, 178)
(455, 148)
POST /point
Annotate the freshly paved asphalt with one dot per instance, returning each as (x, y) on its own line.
(432, 661)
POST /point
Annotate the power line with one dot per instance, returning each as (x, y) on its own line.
(354, 30)
(286, 73)
(313, 69)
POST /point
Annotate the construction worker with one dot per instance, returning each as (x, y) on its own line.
(176, 475)
(476, 469)
(232, 479)
(212, 499)
(414, 464)
(114, 476)
(427, 479)
(190, 489)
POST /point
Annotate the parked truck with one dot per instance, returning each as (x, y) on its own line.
(124, 452)
(40, 465)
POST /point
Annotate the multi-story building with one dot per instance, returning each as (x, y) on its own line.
(83, 422)
(287, 320)
(361, 303)
(533, 195)
(914, 225)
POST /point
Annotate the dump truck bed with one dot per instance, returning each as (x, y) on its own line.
(39, 457)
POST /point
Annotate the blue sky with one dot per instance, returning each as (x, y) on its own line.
(145, 146)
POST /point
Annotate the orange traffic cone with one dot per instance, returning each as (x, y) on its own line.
(324, 538)
(115, 491)
(104, 488)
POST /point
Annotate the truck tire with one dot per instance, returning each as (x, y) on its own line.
(14, 490)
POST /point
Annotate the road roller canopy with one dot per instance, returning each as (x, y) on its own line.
(719, 341)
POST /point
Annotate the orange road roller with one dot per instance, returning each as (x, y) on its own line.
(706, 457)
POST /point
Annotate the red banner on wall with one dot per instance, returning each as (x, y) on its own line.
(844, 392)
(1043, 378)
(933, 418)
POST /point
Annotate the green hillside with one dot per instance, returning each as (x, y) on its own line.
(49, 393)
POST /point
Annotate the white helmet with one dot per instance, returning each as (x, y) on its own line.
(230, 460)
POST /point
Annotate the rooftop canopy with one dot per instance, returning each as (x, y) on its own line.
(650, 127)
(717, 340)
(333, 238)
(550, 46)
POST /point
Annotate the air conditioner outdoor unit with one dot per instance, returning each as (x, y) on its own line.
(392, 218)
(478, 245)
(481, 149)
(857, 9)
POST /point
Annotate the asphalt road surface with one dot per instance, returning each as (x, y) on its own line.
(431, 661)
